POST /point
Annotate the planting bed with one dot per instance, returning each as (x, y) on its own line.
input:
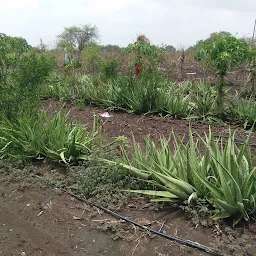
(123, 124)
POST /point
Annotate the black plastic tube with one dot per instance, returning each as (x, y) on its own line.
(173, 238)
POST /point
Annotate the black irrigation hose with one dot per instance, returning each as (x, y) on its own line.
(173, 238)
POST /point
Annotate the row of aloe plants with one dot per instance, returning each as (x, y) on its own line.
(203, 167)
(148, 94)
(38, 135)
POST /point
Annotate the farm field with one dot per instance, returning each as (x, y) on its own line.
(163, 137)
(65, 226)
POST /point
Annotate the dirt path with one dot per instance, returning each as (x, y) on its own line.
(64, 226)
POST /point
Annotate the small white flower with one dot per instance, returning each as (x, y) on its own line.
(105, 115)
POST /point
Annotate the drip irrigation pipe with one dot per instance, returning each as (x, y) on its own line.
(173, 238)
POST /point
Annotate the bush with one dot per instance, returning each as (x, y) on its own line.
(109, 68)
(92, 59)
(21, 87)
(33, 68)
(222, 54)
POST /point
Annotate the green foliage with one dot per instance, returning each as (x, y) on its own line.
(22, 71)
(92, 58)
(213, 36)
(148, 93)
(109, 67)
(174, 99)
(223, 174)
(56, 86)
(203, 101)
(200, 212)
(224, 53)
(142, 94)
(31, 136)
(111, 48)
(33, 68)
(245, 111)
(104, 182)
(76, 64)
(170, 48)
(11, 48)
(77, 37)
(145, 54)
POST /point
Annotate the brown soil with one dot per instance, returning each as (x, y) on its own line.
(36, 220)
(34, 223)
(129, 125)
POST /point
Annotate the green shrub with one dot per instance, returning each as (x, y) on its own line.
(33, 68)
(92, 58)
(24, 75)
(109, 68)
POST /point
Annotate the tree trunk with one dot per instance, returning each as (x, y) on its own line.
(220, 100)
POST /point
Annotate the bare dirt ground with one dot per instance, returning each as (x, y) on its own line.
(40, 220)
(129, 125)
(64, 226)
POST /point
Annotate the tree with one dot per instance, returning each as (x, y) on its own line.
(170, 48)
(10, 50)
(42, 47)
(22, 70)
(146, 56)
(111, 48)
(77, 37)
(223, 54)
(213, 36)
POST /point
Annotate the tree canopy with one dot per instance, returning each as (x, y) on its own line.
(170, 48)
(11, 48)
(77, 37)
(213, 36)
(111, 48)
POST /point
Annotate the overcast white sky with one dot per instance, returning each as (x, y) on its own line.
(172, 22)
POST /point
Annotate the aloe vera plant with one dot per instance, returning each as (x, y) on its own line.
(245, 111)
(30, 137)
(208, 167)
